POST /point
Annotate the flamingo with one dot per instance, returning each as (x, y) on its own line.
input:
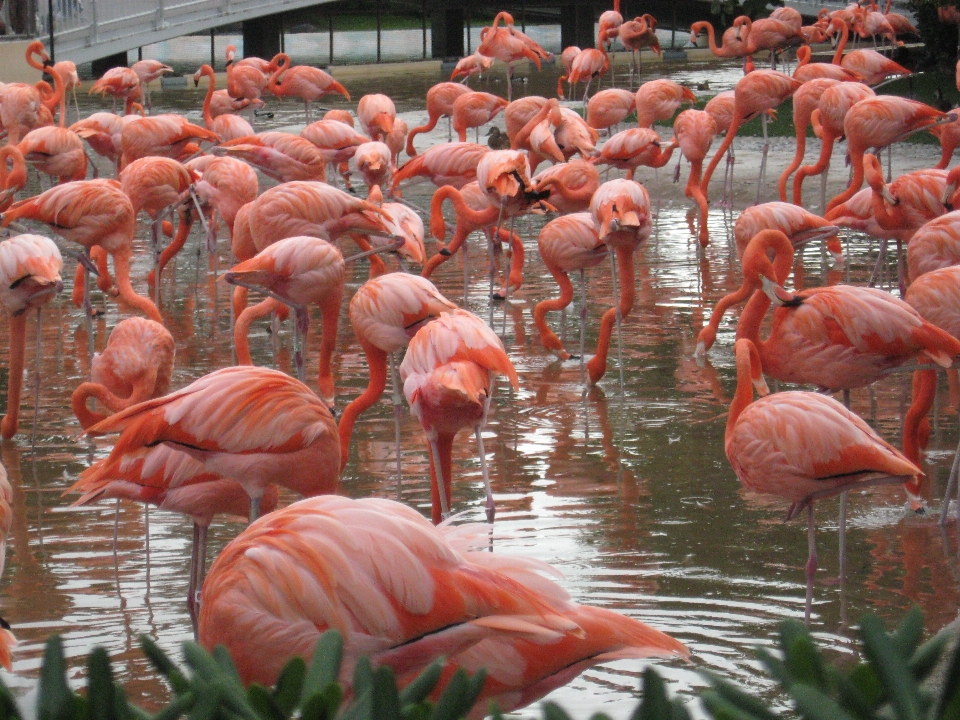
(305, 82)
(767, 34)
(590, 64)
(731, 44)
(934, 245)
(411, 589)
(256, 425)
(136, 365)
(55, 151)
(336, 141)
(297, 271)
(13, 177)
(147, 71)
(635, 35)
(373, 160)
(755, 92)
(168, 135)
(807, 70)
(799, 225)
(629, 149)
(7, 640)
(67, 71)
(694, 131)
(91, 213)
(805, 100)
(828, 450)
(103, 131)
(609, 108)
(509, 45)
(869, 64)
(568, 243)
(659, 100)
(386, 312)
(472, 110)
(283, 156)
(30, 267)
(440, 100)
(571, 185)
(447, 164)
(834, 104)
(838, 338)
(119, 83)
(448, 373)
(22, 105)
(621, 213)
(377, 114)
(471, 65)
(567, 57)
(227, 125)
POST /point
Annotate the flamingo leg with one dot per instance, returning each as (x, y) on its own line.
(300, 326)
(951, 486)
(763, 157)
(254, 508)
(508, 253)
(397, 411)
(442, 487)
(811, 568)
(492, 271)
(490, 505)
(466, 272)
(619, 318)
(880, 258)
(843, 534)
(36, 380)
(823, 191)
(88, 307)
(509, 82)
(583, 326)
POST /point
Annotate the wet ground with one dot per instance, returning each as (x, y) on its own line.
(627, 491)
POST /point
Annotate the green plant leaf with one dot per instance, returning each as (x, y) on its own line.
(9, 710)
(722, 709)
(289, 686)
(206, 705)
(927, 656)
(655, 705)
(775, 666)
(948, 704)
(678, 710)
(100, 689)
(181, 704)
(600, 716)
(55, 699)
(740, 697)
(385, 699)
(552, 711)
(164, 665)
(323, 705)
(802, 658)
(263, 702)
(814, 705)
(459, 695)
(221, 657)
(325, 666)
(907, 637)
(861, 692)
(891, 668)
(362, 676)
(422, 686)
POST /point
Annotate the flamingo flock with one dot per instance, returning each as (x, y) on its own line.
(402, 589)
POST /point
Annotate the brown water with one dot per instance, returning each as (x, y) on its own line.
(629, 494)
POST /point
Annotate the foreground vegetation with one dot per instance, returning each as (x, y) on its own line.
(887, 685)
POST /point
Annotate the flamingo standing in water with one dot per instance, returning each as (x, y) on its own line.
(509, 45)
(568, 243)
(440, 100)
(30, 267)
(805, 100)
(305, 82)
(147, 71)
(386, 313)
(23, 106)
(448, 375)
(228, 126)
(694, 131)
(827, 451)
(621, 213)
(417, 589)
(755, 92)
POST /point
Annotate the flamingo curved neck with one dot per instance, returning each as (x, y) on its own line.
(924, 391)
(748, 367)
(207, 72)
(377, 363)
(842, 43)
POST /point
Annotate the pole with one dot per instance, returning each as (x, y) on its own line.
(283, 44)
(423, 20)
(469, 49)
(330, 18)
(50, 28)
(213, 56)
(523, 16)
(378, 30)
(140, 53)
(673, 30)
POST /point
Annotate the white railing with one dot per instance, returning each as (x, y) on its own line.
(812, 7)
(85, 30)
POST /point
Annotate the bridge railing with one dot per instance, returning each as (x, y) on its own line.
(19, 19)
(87, 29)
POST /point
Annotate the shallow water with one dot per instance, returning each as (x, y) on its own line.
(628, 493)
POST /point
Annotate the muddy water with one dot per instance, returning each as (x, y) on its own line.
(627, 491)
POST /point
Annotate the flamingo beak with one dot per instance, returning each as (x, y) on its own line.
(777, 294)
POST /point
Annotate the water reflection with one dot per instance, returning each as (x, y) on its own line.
(629, 494)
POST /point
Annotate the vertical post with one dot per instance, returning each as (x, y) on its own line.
(469, 49)
(283, 32)
(378, 30)
(140, 53)
(50, 27)
(213, 51)
(423, 20)
(673, 30)
(523, 16)
(330, 18)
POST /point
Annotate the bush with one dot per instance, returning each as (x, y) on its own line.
(886, 686)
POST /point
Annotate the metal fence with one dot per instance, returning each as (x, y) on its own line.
(90, 29)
